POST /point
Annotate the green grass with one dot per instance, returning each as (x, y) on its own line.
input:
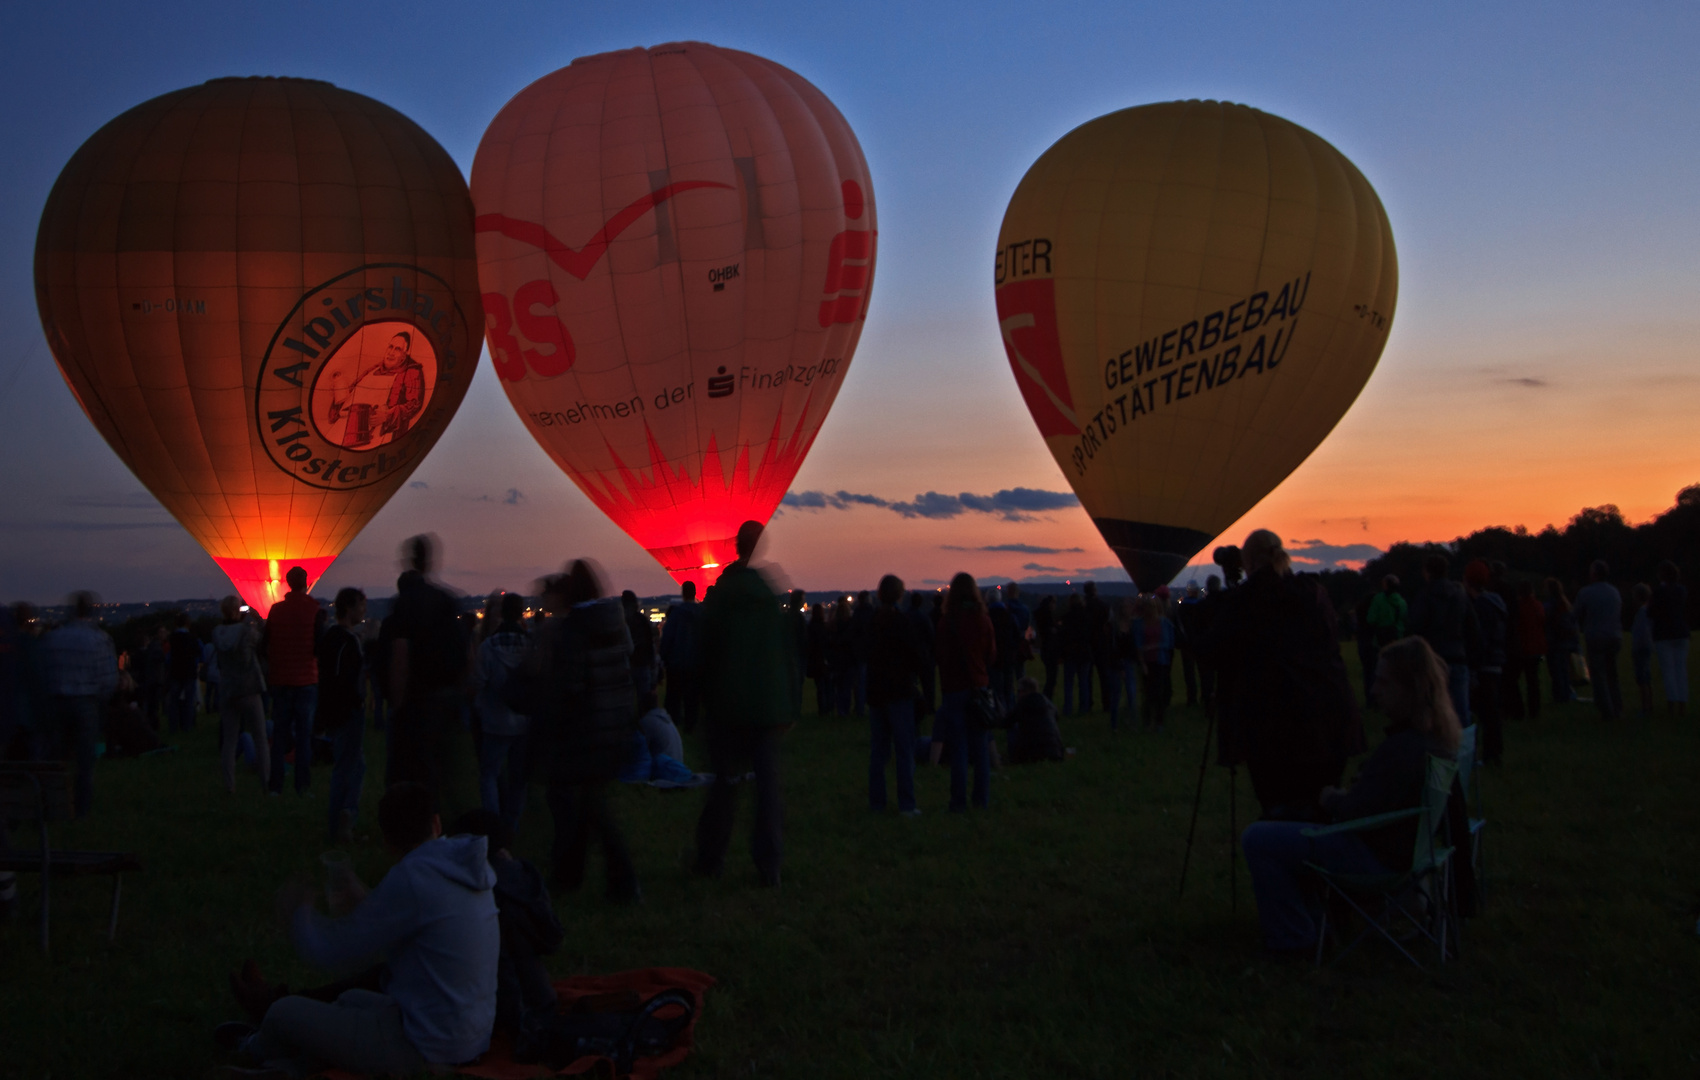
(1043, 938)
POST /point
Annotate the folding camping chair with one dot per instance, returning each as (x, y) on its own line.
(1420, 896)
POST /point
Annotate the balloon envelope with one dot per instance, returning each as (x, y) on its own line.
(676, 246)
(263, 293)
(1191, 295)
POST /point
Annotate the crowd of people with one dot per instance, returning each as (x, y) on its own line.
(477, 708)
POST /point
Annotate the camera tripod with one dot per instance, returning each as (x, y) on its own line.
(1233, 818)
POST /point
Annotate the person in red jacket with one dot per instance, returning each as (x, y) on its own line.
(965, 647)
(292, 631)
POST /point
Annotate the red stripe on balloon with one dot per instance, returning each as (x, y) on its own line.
(580, 262)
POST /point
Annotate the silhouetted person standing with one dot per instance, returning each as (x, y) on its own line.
(895, 659)
(920, 618)
(342, 711)
(1488, 664)
(82, 675)
(749, 693)
(183, 666)
(428, 657)
(585, 727)
(292, 632)
(681, 658)
(1599, 615)
(1669, 613)
(965, 649)
(1442, 616)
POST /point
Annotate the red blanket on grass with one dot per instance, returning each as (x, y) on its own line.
(498, 1063)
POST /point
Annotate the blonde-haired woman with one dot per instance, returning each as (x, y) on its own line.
(1411, 687)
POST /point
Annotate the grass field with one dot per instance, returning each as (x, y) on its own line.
(1042, 938)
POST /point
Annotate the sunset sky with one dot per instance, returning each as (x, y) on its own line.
(1539, 163)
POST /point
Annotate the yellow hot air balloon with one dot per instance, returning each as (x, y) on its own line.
(1191, 295)
(264, 294)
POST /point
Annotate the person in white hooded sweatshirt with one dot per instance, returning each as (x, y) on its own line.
(433, 919)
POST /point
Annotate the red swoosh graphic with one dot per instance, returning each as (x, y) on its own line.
(579, 263)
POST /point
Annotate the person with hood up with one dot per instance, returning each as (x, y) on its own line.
(501, 757)
(750, 695)
(433, 917)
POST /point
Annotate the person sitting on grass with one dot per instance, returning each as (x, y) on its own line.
(1033, 732)
(434, 918)
(1411, 688)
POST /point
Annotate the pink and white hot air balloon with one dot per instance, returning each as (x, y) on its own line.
(676, 247)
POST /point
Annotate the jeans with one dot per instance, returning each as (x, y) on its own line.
(348, 771)
(1158, 691)
(502, 790)
(1602, 669)
(428, 745)
(729, 748)
(361, 1033)
(1288, 904)
(1458, 689)
(582, 813)
(180, 705)
(1077, 673)
(236, 714)
(76, 737)
(1127, 683)
(1673, 669)
(292, 729)
(823, 696)
(893, 725)
(964, 747)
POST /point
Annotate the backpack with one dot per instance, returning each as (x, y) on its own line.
(559, 1039)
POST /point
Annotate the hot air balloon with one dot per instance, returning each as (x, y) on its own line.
(263, 293)
(676, 246)
(1191, 295)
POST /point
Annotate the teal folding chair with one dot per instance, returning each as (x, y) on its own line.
(1470, 779)
(1419, 896)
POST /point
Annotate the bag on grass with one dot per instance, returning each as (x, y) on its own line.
(559, 1039)
(984, 710)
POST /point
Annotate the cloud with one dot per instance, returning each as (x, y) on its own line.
(1530, 383)
(1041, 568)
(420, 484)
(1102, 573)
(514, 497)
(1316, 555)
(838, 500)
(1015, 549)
(934, 581)
(1011, 504)
(931, 505)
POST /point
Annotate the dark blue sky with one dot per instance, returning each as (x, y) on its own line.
(1539, 163)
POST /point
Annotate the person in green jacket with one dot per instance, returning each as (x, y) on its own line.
(751, 694)
(1388, 613)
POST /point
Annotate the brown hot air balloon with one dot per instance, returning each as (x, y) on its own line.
(677, 245)
(264, 294)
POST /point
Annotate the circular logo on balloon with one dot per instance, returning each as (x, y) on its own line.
(346, 389)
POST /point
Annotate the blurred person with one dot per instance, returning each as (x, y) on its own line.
(748, 691)
(965, 649)
(1202, 619)
(236, 643)
(1285, 708)
(341, 714)
(1045, 630)
(841, 658)
(861, 641)
(81, 668)
(798, 624)
(1033, 732)
(920, 620)
(585, 728)
(1412, 687)
(1528, 626)
(643, 644)
(291, 632)
(895, 659)
(820, 648)
(681, 657)
(1641, 645)
(1185, 609)
(1599, 617)
(1488, 664)
(1076, 640)
(1669, 613)
(660, 734)
(1155, 635)
(1564, 639)
(1007, 640)
(1125, 631)
(1442, 616)
(502, 760)
(426, 663)
(151, 677)
(1100, 640)
(433, 919)
(183, 665)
